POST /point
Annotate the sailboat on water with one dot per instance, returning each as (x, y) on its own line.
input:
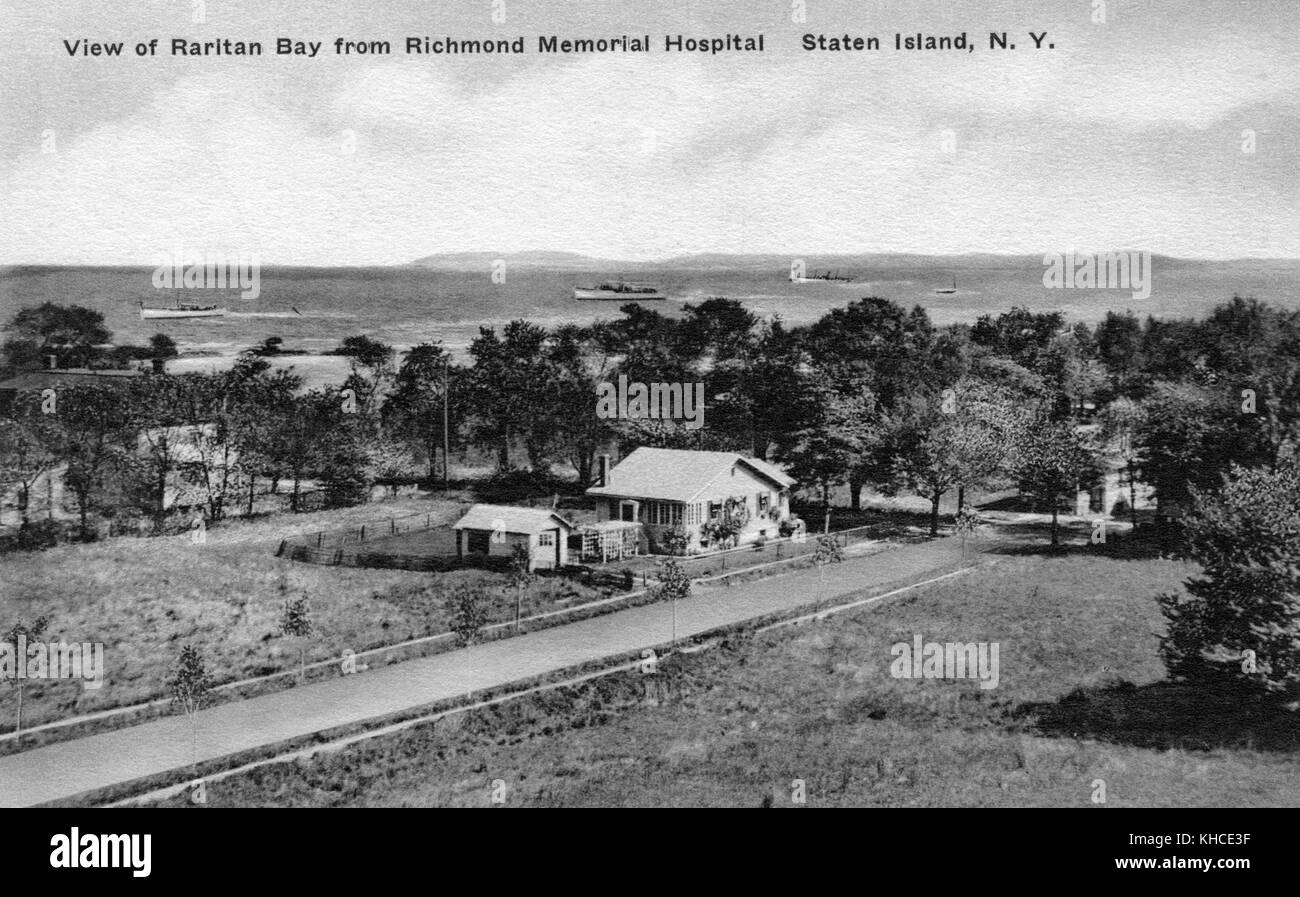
(946, 290)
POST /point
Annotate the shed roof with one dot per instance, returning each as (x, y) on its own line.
(511, 519)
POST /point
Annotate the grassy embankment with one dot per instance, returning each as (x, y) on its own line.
(1081, 698)
(144, 598)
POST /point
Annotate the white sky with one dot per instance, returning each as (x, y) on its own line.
(1127, 135)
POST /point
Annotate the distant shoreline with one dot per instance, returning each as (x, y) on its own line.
(559, 261)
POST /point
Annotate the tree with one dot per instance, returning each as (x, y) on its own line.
(928, 442)
(823, 453)
(1187, 435)
(874, 345)
(93, 428)
(1119, 348)
(1019, 334)
(1050, 463)
(371, 372)
(1073, 375)
(17, 639)
(521, 577)
(162, 346)
(299, 435)
(25, 456)
(1252, 346)
(206, 423)
(508, 385)
(260, 416)
(577, 362)
(390, 463)
(468, 613)
(156, 405)
(296, 623)
(674, 585)
(1240, 618)
(717, 330)
(190, 685)
(414, 410)
(774, 389)
(72, 333)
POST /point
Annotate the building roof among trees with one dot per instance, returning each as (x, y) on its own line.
(680, 474)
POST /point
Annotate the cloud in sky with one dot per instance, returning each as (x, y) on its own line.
(1124, 137)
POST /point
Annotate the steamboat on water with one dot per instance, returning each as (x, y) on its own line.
(182, 310)
(824, 277)
(619, 289)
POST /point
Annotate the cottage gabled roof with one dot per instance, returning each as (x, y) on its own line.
(680, 474)
(511, 519)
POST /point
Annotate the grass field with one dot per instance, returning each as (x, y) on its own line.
(1081, 699)
(144, 598)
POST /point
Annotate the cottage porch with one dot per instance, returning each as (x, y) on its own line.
(609, 540)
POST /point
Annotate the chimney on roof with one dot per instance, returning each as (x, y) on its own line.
(602, 470)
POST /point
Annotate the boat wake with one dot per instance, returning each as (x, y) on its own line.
(288, 314)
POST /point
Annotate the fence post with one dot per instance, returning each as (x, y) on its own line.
(363, 533)
(319, 537)
(392, 524)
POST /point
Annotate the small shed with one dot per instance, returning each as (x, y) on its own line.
(495, 530)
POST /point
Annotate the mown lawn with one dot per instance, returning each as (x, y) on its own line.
(1080, 700)
(144, 598)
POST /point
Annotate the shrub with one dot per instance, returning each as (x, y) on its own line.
(519, 485)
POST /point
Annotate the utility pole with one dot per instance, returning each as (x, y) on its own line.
(446, 437)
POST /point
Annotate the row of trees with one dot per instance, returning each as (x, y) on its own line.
(871, 394)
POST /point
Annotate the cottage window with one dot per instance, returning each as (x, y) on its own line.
(764, 501)
(546, 540)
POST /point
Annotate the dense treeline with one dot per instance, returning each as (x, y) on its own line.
(870, 395)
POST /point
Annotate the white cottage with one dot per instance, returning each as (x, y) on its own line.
(667, 489)
(495, 530)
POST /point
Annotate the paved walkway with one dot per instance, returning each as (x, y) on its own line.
(72, 767)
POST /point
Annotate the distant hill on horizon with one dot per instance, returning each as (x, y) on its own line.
(574, 261)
